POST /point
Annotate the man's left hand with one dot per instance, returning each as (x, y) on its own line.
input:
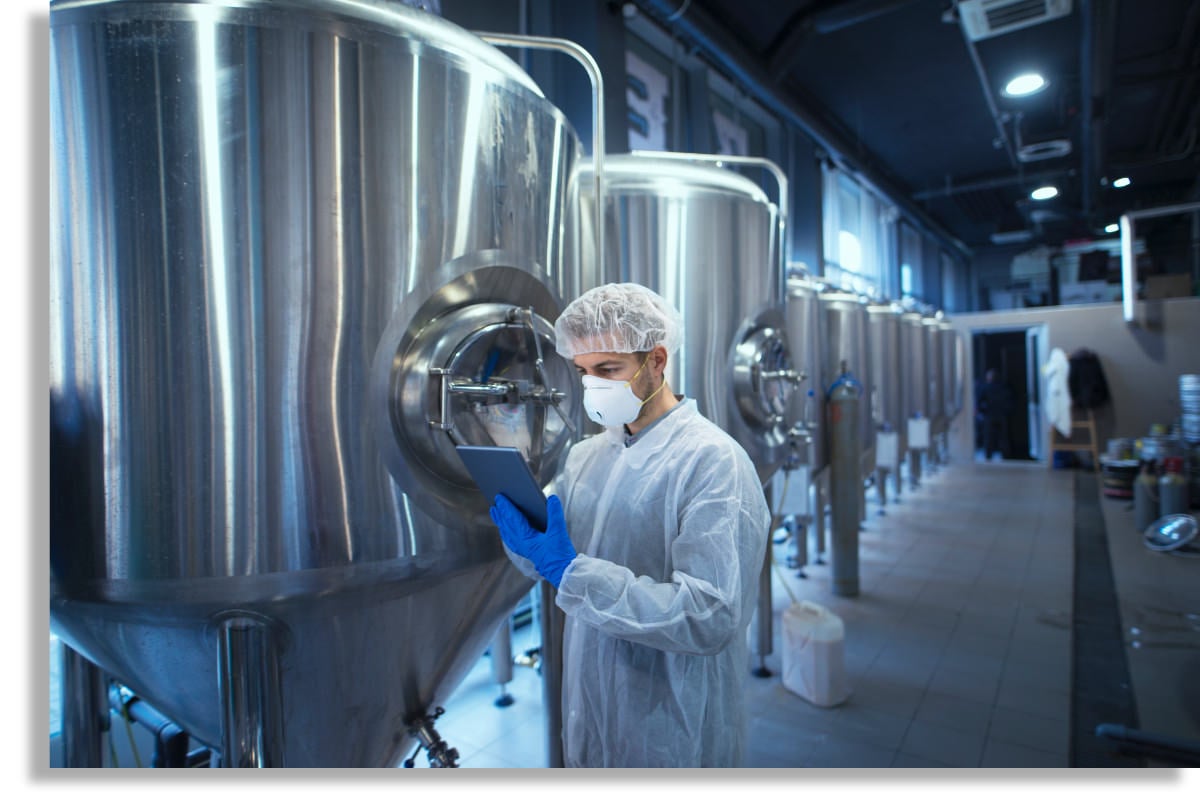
(551, 551)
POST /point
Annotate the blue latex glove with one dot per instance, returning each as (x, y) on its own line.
(551, 551)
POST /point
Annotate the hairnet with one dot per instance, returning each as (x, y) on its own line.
(617, 318)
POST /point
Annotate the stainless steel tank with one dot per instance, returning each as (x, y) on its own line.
(806, 340)
(934, 397)
(299, 249)
(915, 376)
(846, 349)
(886, 401)
(951, 345)
(706, 239)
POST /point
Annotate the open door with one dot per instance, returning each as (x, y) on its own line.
(1035, 342)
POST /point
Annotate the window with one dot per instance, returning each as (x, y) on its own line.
(859, 236)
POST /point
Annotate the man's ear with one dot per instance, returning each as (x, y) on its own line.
(658, 358)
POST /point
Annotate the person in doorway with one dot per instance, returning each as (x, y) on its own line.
(655, 541)
(994, 404)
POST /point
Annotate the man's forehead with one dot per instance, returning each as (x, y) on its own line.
(602, 358)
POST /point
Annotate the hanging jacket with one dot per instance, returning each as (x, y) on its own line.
(1058, 396)
(1088, 387)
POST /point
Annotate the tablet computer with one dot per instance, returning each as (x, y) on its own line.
(503, 470)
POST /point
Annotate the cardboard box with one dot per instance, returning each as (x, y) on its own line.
(1174, 285)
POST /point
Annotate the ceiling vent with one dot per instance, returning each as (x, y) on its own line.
(982, 19)
(1040, 151)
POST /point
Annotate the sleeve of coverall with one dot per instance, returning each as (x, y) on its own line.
(700, 609)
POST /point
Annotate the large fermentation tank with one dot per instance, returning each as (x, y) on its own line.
(299, 250)
(707, 240)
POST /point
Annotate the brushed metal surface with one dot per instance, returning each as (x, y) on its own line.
(702, 237)
(244, 197)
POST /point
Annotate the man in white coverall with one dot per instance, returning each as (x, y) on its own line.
(656, 536)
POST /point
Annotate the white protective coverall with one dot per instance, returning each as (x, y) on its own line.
(1058, 393)
(671, 534)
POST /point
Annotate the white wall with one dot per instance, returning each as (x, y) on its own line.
(1142, 363)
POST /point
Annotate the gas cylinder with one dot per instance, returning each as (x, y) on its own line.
(1172, 488)
(845, 480)
(1145, 497)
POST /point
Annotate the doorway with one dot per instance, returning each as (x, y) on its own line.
(1016, 355)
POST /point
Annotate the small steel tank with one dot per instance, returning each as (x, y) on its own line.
(707, 240)
(887, 402)
(934, 394)
(300, 250)
(951, 347)
(806, 337)
(846, 349)
(915, 376)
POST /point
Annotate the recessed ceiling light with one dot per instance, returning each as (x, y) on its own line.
(1044, 193)
(1025, 85)
(1112, 227)
(1121, 183)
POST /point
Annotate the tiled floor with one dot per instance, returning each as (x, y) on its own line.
(957, 647)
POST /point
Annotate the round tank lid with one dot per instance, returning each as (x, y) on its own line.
(664, 175)
(401, 20)
(885, 308)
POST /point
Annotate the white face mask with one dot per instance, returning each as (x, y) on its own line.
(612, 403)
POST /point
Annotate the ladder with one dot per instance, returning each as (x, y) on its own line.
(1071, 444)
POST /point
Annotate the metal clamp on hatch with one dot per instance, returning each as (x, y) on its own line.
(500, 390)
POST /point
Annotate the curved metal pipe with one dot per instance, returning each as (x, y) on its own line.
(248, 680)
(754, 161)
(589, 64)
(987, 94)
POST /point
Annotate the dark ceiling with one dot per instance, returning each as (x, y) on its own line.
(914, 100)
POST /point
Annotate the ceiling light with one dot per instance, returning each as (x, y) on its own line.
(1121, 183)
(1044, 193)
(1025, 85)
(1112, 227)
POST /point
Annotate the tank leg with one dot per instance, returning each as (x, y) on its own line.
(248, 680)
(881, 478)
(552, 620)
(502, 661)
(763, 614)
(85, 710)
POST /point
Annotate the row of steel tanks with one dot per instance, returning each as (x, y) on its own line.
(301, 249)
(289, 276)
(904, 367)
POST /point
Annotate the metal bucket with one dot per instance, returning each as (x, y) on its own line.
(299, 249)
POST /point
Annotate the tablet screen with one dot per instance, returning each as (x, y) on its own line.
(503, 470)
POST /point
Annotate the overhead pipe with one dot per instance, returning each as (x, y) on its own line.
(1128, 265)
(784, 53)
(1096, 50)
(997, 120)
(746, 68)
